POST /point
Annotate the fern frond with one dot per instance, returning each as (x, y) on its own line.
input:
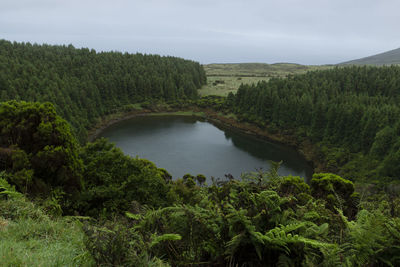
(133, 216)
(165, 237)
(234, 243)
(6, 189)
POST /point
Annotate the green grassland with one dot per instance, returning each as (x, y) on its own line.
(30, 237)
(225, 78)
(223, 85)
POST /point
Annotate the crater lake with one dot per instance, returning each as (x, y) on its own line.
(186, 144)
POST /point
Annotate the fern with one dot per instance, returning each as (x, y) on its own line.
(133, 216)
(151, 218)
(372, 239)
(285, 261)
(280, 237)
(317, 231)
(6, 189)
(165, 237)
(261, 178)
(332, 256)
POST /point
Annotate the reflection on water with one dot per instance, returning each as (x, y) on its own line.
(268, 151)
(184, 144)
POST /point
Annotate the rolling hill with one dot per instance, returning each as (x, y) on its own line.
(386, 58)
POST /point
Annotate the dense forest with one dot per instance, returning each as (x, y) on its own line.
(67, 203)
(351, 113)
(85, 85)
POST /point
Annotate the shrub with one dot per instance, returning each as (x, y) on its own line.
(337, 191)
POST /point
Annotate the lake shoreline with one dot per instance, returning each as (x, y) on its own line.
(106, 122)
(305, 148)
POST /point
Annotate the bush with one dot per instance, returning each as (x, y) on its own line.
(338, 192)
(38, 145)
(293, 185)
(113, 181)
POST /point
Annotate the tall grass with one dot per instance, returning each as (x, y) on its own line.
(31, 238)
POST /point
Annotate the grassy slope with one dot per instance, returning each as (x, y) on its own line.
(225, 78)
(29, 237)
(386, 58)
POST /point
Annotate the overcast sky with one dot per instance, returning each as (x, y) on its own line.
(211, 31)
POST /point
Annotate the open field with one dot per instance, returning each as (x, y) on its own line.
(258, 69)
(225, 78)
(222, 85)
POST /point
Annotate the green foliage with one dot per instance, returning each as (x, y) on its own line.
(184, 191)
(38, 148)
(346, 111)
(6, 190)
(262, 220)
(211, 101)
(30, 238)
(372, 239)
(114, 244)
(294, 185)
(325, 183)
(109, 246)
(165, 237)
(237, 223)
(383, 142)
(201, 179)
(52, 204)
(390, 166)
(113, 181)
(338, 192)
(84, 85)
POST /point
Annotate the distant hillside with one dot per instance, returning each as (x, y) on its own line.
(386, 58)
(256, 69)
(225, 78)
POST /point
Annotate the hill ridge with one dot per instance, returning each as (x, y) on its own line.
(386, 58)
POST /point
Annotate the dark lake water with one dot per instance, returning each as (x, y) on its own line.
(183, 144)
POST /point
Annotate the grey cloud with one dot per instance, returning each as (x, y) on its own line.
(308, 32)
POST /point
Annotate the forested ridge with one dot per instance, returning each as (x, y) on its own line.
(351, 113)
(67, 203)
(85, 85)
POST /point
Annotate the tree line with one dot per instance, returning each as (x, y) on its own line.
(85, 85)
(351, 113)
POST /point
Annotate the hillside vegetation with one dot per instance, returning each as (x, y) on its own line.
(85, 85)
(351, 113)
(31, 237)
(142, 218)
(385, 58)
(70, 203)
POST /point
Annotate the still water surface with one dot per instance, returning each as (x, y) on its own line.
(183, 144)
